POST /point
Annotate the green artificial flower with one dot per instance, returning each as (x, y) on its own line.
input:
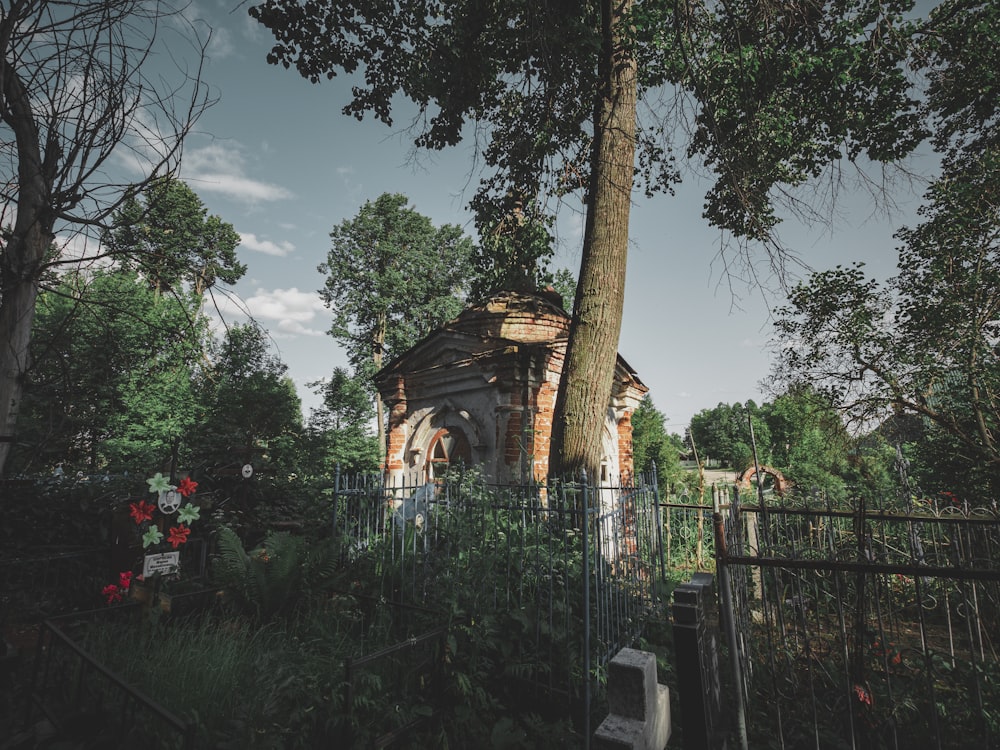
(153, 536)
(159, 483)
(189, 513)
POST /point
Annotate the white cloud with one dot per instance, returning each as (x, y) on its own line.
(293, 328)
(285, 313)
(251, 242)
(220, 46)
(285, 303)
(220, 168)
(81, 252)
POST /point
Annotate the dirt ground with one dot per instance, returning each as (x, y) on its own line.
(719, 476)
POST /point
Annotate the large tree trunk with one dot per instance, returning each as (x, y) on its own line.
(588, 372)
(17, 313)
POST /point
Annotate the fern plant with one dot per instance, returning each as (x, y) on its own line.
(273, 578)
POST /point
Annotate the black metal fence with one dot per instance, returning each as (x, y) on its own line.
(572, 566)
(51, 582)
(86, 701)
(864, 628)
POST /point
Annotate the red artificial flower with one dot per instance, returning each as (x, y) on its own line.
(863, 695)
(187, 487)
(178, 535)
(141, 511)
(111, 593)
(125, 580)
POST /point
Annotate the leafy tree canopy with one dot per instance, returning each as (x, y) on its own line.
(652, 444)
(925, 342)
(391, 277)
(779, 92)
(809, 443)
(166, 233)
(248, 399)
(110, 388)
(339, 432)
(76, 95)
(513, 252)
(723, 434)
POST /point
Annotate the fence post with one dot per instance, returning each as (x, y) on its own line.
(659, 529)
(336, 497)
(696, 656)
(726, 593)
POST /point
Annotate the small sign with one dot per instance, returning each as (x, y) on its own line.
(247, 471)
(165, 563)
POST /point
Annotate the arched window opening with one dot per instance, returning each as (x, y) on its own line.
(449, 446)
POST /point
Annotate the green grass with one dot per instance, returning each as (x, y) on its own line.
(244, 685)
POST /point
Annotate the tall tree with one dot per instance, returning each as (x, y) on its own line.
(781, 90)
(723, 434)
(167, 234)
(651, 444)
(391, 277)
(809, 442)
(110, 386)
(247, 398)
(339, 432)
(926, 342)
(74, 91)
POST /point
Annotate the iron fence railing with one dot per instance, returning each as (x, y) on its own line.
(85, 701)
(45, 583)
(409, 674)
(573, 565)
(866, 628)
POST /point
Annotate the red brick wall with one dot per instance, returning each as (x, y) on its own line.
(395, 460)
(626, 464)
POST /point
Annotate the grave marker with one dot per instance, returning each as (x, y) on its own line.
(639, 707)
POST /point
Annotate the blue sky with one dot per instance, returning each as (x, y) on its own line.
(277, 159)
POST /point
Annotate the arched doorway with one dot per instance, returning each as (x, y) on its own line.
(771, 479)
(448, 446)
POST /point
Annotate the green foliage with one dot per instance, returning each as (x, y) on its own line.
(723, 434)
(781, 92)
(339, 432)
(651, 443)
(391, 277)
(809, 443)
(924, 343)
(962, 56)
(786, 90)
(271, 580)
(564, 282)
(514, 251)
(165, 233)
(289, 675)
(111, 385)
(247, 400)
